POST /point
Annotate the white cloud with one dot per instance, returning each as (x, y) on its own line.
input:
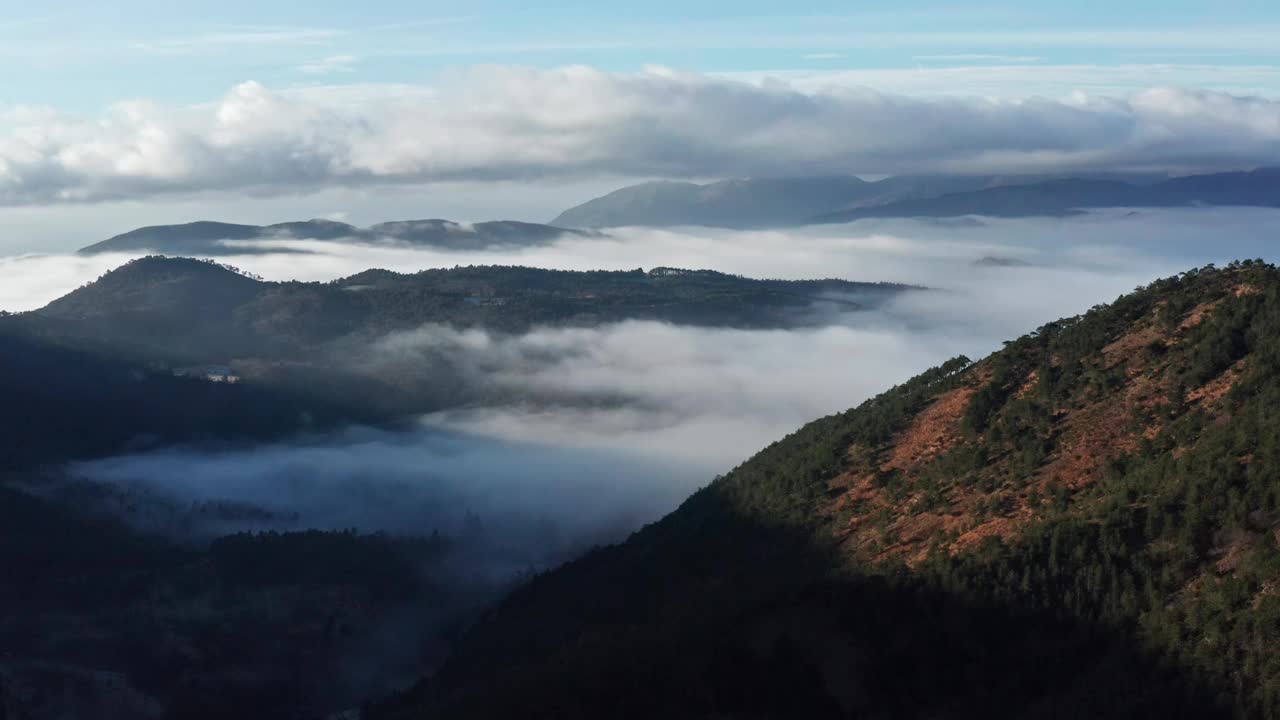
(28, 282)
(509, 122)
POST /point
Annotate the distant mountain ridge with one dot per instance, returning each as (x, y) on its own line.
(1257, 188)
(728, 203)
(786, 202)
(209, 238)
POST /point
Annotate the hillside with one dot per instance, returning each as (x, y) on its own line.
(93, 372)
(73, 400)
(209, 238)
(762, 202)
(195, 311)
(1084, 524)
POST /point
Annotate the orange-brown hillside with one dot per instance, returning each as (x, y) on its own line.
(1083, 524)
(904, 497)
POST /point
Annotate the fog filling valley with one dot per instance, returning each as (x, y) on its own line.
(599, 430)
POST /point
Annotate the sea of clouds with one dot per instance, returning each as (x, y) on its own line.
(600, 429)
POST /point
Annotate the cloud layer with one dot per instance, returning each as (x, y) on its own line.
(502, 123)
(578, 435)
(1097, 246)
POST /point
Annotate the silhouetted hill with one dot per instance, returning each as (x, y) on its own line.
(1084, 524)
(208, 238)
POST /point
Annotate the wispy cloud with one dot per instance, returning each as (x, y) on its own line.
(1015, 81)
(979, 57)
(329, 65)
(242, 38)
(837, 35)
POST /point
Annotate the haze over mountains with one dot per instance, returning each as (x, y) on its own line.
(116, 373)
(735, 204)
(343, 347)
(525, 414)
(904, 361)
(782, 202)
(482, 423)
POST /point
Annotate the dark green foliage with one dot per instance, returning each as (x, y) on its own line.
(190, 311)
(67, 403)
(784, 481)
(91, 373)
(255, 625)
(1164, 566)
(388, 567)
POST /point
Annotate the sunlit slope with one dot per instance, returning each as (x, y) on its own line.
(1082, 524)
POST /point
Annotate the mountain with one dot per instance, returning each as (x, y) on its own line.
(95, 372)
(729, 203)
(785, 202)
(192, 309)
(760, 202)
(210, 238)
(1049, 198)
(1259, 188)
(1084, 524)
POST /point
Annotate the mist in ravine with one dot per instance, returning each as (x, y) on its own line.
(593, 431)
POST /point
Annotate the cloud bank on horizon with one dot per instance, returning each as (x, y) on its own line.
(512, 123)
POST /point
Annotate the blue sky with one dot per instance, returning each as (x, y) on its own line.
(78, 55)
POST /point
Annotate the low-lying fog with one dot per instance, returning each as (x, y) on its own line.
(683, 404)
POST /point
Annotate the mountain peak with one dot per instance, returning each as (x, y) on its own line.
(154, 284)
(735, 203)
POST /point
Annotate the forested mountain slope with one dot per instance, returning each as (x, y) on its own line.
(63, 402)
(1084, 524)
(93, 372)
(180, 306)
